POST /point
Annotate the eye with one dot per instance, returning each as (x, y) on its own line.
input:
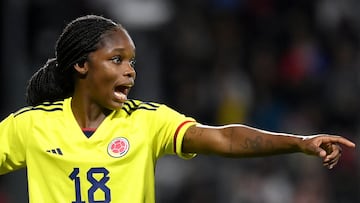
(132, 62)
(116, 59)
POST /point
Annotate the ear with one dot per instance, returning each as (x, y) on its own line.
(82, 68)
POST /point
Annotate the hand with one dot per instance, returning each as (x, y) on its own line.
(326, 147)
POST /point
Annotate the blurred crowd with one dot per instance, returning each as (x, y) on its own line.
(279, 65)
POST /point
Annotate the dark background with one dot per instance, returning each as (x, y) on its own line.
(280, 65)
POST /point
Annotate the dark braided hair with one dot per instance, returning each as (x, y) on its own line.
(55, 80)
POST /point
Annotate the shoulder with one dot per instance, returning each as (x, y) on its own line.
(44, 108)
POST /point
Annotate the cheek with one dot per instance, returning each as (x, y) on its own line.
(101, 80)
(102, 76)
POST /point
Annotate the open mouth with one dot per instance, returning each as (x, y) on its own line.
(121, 92)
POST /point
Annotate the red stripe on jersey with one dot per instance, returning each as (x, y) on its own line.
(88, 129)
(177, 132)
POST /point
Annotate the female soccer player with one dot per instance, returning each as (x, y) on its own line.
(82, 139)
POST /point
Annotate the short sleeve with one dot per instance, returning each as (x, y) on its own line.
(12, 150)
(169, 127)
(179, 137)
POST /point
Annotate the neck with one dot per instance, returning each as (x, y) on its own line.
(88, 115)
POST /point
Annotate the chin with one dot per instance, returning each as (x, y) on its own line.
(115, 106)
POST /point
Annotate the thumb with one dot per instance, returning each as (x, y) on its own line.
(321, 153)
(318, 151)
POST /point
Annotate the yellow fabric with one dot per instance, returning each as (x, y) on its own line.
(63, 165)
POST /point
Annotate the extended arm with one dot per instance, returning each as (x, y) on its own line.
(244, 141)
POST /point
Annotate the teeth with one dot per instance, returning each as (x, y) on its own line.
(120, 96)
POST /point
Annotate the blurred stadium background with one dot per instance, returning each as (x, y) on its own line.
(281, 65)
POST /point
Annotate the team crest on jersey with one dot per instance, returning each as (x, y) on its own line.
(118, 147)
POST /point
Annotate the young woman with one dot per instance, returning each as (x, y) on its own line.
(82, 139)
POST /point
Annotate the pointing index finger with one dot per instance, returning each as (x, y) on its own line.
(343, 141)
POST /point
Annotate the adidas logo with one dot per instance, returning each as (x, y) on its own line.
(55, 151)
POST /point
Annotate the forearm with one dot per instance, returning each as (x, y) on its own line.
(245, 141)
(240, 141)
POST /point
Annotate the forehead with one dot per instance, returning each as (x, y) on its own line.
(117, 39)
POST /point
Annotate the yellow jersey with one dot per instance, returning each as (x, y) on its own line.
(115, 164)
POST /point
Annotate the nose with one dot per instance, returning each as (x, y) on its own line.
(130, 72)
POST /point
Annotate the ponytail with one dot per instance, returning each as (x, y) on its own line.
(48, 84)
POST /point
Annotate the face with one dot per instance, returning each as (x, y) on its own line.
(110, 70)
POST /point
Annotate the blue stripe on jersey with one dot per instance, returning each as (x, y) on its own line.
(46, 106)
(151, 104)
(130, 106)
(38, 108)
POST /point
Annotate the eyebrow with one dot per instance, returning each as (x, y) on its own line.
(121, 50)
